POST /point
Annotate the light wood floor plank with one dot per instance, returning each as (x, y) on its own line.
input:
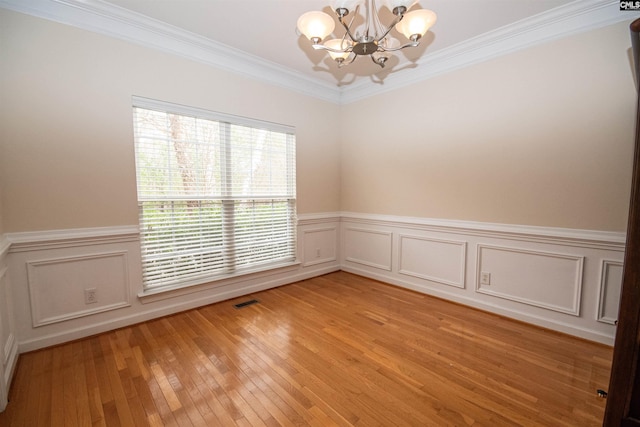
(336, 350)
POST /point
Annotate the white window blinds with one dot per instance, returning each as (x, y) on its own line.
(216, 194)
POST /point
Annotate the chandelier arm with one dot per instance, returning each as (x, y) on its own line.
(367, 17)
(379, 28)
(377, 25)
(318, 46)
(347, 28)
(378, 62)
(395, 22)
(393, 49)
(342, 64)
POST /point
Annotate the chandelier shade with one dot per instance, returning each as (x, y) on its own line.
(316, 25)
(373, 38)
(416, 23)
(338, 48)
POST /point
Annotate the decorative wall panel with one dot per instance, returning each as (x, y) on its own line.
(57, 286)
(610, 288)
(437, 260)
(368, 247)
(320, 245)
(8, 342)
(543, 279)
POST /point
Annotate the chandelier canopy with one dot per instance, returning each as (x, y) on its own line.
(373, 38)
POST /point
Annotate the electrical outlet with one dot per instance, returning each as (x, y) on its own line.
(485, 278)
(317, 252)
(90, 296)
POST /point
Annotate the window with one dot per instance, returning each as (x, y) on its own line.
(216, 194)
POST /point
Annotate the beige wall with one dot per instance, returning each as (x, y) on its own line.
(68, 159)
(540, 137)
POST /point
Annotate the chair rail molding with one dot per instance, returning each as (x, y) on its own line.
(52, 239)
(566, 236)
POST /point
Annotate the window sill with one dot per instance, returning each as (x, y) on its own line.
(204, 284)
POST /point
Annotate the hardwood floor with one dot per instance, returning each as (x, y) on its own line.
(334, 350)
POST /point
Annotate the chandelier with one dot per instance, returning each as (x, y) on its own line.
(373, 38)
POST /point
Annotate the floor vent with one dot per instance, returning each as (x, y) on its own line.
(246, 303)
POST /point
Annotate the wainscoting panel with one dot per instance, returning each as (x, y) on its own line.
(50, 271)
(368, 247)
(551, 277)
(8, 343)
(57, 286)
(437, 260)
(560, 279)
(610, 288)
(320, 245)
(543, 279)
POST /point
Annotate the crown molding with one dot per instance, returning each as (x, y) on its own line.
(573, 18)
(114, 21)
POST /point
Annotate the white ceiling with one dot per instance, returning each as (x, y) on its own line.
(258, 38)
(267, 29)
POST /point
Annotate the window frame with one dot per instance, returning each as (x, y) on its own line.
(227, 201)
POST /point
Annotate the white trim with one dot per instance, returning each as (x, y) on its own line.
(5, 245)
(610, 240)
(556, 325)
(188, 287)
(604, 270)
(52, 239)
(463, 260)
(36, 316)
(9, 347)
(573, 310)
(11, 358)
(171, 107)
(10, 364)
(317, 261)
(388, 266)
(318, 218)
(114, 21)
(613, 241)
(198, 300)
(565, 236)
(563, 21)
